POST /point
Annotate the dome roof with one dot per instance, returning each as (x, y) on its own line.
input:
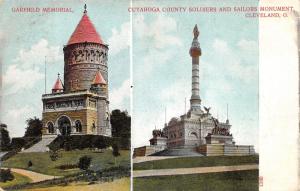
(85, 32)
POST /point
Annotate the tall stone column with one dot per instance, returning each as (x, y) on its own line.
(195, 53)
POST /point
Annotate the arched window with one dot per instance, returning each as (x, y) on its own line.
(50, 127)
(193, 134)
(78, 126)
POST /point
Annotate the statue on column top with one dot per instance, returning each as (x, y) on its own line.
(196, 32)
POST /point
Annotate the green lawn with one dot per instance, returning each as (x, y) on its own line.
(225, 181)
(19, 179)
(43, 164)
(119, 185)
(189, 162)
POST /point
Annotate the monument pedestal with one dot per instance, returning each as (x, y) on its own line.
(219, 139)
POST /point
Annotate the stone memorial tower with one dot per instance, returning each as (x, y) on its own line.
(80, 105)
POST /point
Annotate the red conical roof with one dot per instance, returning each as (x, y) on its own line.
(99, 79)
(85, 32)
(58, 85)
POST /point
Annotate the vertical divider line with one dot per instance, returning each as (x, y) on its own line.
(131, 99)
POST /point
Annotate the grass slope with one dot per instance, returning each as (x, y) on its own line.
(19, 179)
(120, 185)
(43, 164)
(225, 181)
(190, 162)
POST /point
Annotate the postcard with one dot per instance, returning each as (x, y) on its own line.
(149, 95)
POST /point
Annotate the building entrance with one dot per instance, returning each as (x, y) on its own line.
(64, 126)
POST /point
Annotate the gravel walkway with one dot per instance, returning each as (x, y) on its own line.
(197, 170)
(152, 158)
(34, 176)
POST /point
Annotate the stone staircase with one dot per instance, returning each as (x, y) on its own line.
(42, 145)
(177, 152)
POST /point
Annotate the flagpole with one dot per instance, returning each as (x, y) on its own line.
(45, 75)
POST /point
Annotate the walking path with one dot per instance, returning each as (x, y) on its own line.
(34, 176)
(152, 158)
(197, 170)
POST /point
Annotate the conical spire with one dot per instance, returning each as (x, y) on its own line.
(85, 31)
(58, 86)
(99, 78)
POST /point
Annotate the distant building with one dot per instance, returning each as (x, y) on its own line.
(79, 103)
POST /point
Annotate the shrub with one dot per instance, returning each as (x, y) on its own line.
(53, 155)
(67, 166)
(84, 162)
(24, 142)
(29, 164)
(17, 143)
(81, 142)
(6, 175)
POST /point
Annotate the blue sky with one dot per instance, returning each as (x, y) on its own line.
(29, 37)
(160, 60)
(162, 67)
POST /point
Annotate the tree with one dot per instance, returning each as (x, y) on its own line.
(34, 127)
(4, 139)
(120, 124)
(115, 152)
(84, 162)
(6, 175)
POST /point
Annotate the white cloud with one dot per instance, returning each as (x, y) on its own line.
(15, 118)
(27, 69)
(17, 79)
(247, 45)
(154, 37)
(234, 65)
(159, 31)
(120, 40)
(119, 96)
(152, 60)
(221, 46)
(35, 56)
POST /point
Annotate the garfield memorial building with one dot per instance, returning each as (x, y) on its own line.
(78, 104)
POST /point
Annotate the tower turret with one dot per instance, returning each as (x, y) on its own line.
(58, 86)
(84, 54)
(99, 84)
(195, 53)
